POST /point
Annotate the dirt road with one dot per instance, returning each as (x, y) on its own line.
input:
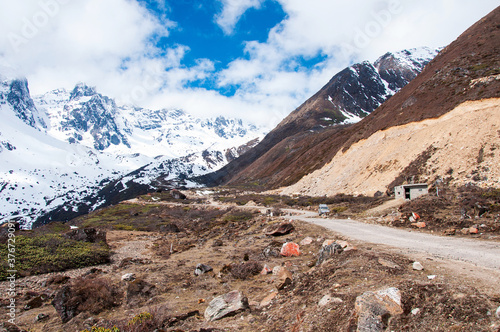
(485, 254)
(478, 252)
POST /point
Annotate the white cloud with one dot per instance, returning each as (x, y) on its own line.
(112, 44)
(232, 10)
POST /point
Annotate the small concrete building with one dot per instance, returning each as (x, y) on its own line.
(411, 191)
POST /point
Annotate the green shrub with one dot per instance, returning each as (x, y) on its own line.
(51, 253)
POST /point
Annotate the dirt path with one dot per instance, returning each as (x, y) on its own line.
(478, 252)
(481, 253)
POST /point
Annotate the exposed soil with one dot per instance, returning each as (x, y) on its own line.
(234, 244)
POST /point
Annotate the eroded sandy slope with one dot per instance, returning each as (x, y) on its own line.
(467, 142)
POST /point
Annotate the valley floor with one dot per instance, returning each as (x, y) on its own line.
(446, 295)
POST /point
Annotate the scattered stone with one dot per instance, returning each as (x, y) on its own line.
(464, 231)
(419, 224)
(91, 235)
(284, 278)
(290, 249)
(417, 266)
(35, 302)
(217, 243)
(202, 269)
(306, 241)
(41, 317)
(431, 277)
(267, 300)
(326, 252)
(388, 263)
(374, 309)
(325, 300)
(328, 299)
(497, 313)
(328, 242)
(271, 251)
(450, 231)
(276, 270)
(473, 230)
(266, 270)
(283, 229)
(128, 277)
(415, 311)
(226, 304)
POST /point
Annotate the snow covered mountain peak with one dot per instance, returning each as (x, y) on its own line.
(68, 152)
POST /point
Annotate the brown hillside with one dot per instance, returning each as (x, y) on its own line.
(467, 69)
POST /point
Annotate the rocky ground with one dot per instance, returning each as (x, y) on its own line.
(202, 270)
(470, 212)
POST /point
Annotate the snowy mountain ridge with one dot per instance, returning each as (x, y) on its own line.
(59, 150)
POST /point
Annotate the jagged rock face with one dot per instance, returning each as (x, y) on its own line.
(92, 113)
(17, 94)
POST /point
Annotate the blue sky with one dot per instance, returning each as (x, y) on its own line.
(252, 59)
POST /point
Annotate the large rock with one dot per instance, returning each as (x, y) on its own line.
(91, 235)
(374, 309)
(283, 229)
(326, 252)
(65, 308)
(223, 305)
(290, 249)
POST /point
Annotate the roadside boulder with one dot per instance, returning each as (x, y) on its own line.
(290, 249)
(306, 241)
(282, 229)
(327, 252)
(128, 277)
(375, 309)
(417, 266)
(202, 269)
(227, 304)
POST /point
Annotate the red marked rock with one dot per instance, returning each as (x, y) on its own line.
(290, 249)
(419, 224)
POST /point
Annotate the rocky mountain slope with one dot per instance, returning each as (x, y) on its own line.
(350, 96)
(68, 152)
(466, 70)
(443, 126)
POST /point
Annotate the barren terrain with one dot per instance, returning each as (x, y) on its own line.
(446, 295)
(462, 147)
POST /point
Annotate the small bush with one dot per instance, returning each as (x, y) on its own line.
(246, 270)
(235, 216)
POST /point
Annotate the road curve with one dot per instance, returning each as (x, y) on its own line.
(479, 252)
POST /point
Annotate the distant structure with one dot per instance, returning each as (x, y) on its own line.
(411, 191)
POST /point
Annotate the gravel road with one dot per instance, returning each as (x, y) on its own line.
(478, 252)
